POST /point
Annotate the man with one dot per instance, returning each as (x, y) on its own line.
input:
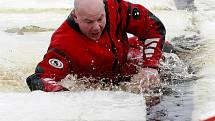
(93, 42)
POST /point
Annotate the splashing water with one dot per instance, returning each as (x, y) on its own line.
(172, 68)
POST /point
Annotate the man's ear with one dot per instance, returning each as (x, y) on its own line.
(74, 16)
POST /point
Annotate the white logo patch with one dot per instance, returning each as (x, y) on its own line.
(55, 63)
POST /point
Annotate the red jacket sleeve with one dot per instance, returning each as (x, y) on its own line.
(54, 67)
(148, 28)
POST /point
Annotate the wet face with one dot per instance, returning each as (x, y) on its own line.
(91, 20)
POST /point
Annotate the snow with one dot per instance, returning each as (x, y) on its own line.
(76, 106)
(24, 4)
(205, 87)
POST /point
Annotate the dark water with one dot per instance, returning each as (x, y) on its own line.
(176, 104)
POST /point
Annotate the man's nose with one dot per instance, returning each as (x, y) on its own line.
(96, 26)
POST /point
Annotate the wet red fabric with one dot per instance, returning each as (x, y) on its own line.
(107, 57)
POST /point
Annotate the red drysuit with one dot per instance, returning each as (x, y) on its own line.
(110, 57)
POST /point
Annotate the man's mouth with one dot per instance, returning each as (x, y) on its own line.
(95, 33)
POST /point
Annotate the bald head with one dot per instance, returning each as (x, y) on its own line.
(90, 16)
(88, 6)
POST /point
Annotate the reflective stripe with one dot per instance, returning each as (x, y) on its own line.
(149, 50)
(152, 45)
(48, 79)
(149, 55)
(147, 41)
(52, 83)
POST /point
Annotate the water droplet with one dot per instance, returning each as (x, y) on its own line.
(92, 62)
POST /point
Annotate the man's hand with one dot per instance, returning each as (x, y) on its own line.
(150, 79)
(148, 84)
(145, 81)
